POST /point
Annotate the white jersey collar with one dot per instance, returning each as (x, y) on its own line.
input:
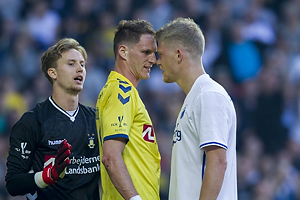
(72, 117)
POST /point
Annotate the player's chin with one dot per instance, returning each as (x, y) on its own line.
(77, 89)
(146, 76)
(166, 79)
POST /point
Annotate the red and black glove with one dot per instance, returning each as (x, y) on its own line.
(52, 173)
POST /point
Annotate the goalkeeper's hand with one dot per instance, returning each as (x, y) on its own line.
(52, 173)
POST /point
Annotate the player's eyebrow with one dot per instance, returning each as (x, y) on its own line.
(74, 60)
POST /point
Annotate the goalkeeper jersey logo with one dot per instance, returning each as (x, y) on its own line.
(148, 133)
(91, 143)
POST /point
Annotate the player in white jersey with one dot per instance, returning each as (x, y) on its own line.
(203, 162)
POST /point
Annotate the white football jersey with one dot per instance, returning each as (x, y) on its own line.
(207, 117)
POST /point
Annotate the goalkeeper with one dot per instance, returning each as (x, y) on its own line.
(58, 136)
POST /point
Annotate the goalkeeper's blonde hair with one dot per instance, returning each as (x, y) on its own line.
(54, 53)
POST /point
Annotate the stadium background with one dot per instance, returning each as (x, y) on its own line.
(252, 49)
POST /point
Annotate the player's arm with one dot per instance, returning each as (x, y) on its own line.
(214, 172)
(113, 161)
(21, 183)
(23, 140)
(20, 156)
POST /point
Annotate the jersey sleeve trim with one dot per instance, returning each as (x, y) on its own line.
(203, 165)
(213, 143)
(116, 136)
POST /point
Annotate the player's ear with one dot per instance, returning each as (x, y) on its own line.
(123, 51)
(179, 56)
(52, 73)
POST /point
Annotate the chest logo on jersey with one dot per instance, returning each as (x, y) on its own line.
(176, 135)
(148, 133)
(91, 143)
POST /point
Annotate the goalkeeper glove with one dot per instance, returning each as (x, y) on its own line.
(52, 173)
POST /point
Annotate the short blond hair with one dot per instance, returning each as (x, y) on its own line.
(54, 53)
(185, 32)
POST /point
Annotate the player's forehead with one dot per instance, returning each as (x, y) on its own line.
(72, 54)
(161, 47)
(147, 42)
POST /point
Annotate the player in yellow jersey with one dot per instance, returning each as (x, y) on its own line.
(130, 167)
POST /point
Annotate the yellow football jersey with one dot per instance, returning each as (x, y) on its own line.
(121, 113)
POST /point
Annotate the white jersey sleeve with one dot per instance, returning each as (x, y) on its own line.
(212, 119)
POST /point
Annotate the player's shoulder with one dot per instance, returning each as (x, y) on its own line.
(116, 78)
(114, 81)
(205, 84)
(44, 110)
(29, 118)
(38, 110)
(87, 109)
(119, 85)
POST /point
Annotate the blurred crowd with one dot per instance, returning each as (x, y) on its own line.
(252, 49)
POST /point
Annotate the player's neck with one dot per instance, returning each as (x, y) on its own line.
(125, 71)
(66, 101)
(188, 78)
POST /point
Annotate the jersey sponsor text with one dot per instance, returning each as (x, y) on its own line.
(54, 142)
(83, 169)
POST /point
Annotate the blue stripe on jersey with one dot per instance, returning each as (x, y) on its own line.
(203, 164)
(120, 81)
(116, 136)
(123, 101)
(125, 89)
(182, 113)
(209, 143)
